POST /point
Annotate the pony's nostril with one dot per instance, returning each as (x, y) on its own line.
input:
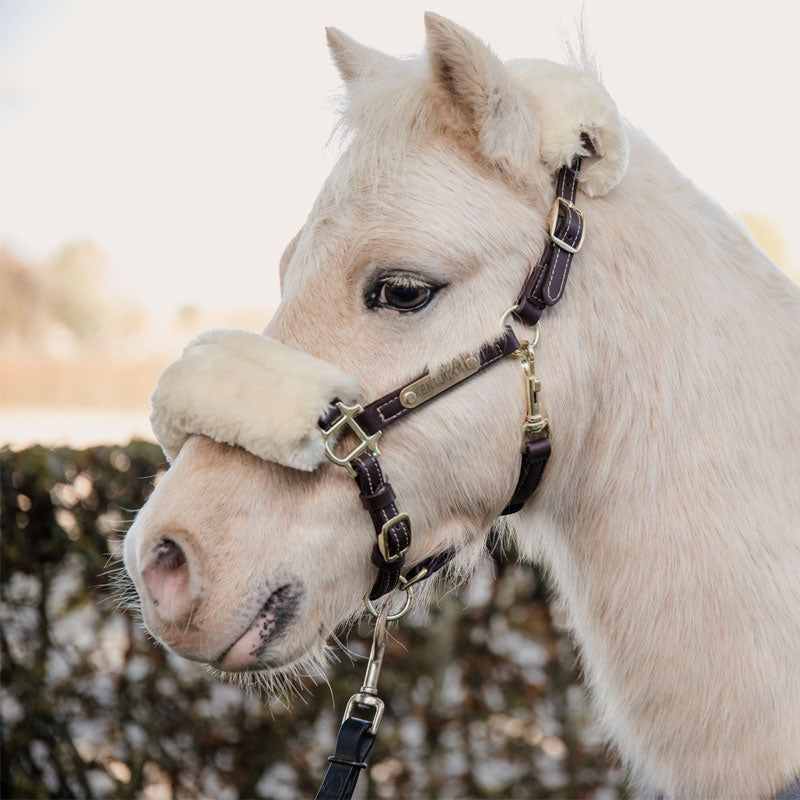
(169, 555)
(166, 577)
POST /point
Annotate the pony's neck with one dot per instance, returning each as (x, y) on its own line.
(663, 527)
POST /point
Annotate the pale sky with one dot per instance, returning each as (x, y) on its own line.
(187, 139)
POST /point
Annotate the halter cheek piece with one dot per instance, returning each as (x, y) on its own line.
(544, 287)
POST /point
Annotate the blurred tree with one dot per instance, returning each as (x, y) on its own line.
(23, 313)
(62, 305)
(187, 315)
(73, 282)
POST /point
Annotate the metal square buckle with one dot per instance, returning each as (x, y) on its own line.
(365, 442)
(552, 222)
(383, 537)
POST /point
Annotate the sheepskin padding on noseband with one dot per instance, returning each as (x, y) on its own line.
(245, 389)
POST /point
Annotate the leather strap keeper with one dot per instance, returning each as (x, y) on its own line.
(381, 498)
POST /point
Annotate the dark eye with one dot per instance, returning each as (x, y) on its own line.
(404, 298)
(400, 293)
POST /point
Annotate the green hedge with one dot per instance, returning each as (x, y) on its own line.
(482, 701)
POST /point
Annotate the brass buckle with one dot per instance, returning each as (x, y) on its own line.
(552, 222)
(383, 537)
(365, 442)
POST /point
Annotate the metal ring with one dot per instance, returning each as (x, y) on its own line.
(392, 617)
(509, 310)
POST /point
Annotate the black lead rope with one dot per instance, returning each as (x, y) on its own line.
(544, 287)
(352, 746)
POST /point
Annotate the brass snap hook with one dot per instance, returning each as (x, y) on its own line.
(535, 425)
(367, 696)
(526, 347)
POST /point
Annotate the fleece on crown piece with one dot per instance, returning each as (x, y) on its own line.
(242, 388)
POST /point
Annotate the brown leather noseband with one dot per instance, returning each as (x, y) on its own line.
(544, 287)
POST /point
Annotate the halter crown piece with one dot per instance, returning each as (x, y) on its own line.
(544, 287)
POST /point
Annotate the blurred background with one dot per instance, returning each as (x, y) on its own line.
(155, 159)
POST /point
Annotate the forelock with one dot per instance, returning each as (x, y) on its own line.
(382, 118)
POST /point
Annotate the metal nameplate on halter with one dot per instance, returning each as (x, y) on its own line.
(552, 222)
(365, 442)
(383, 538)
(449, 375)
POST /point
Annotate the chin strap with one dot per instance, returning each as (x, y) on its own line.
(544, 287)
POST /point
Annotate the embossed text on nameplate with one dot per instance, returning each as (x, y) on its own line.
(430, 385)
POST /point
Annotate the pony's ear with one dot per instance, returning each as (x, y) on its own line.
(480, 98)
(577, 118)
(354, 61)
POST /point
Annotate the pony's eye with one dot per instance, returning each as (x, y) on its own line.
(400, 293)
(404, 298)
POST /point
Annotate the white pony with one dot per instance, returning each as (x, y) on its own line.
(669, 515)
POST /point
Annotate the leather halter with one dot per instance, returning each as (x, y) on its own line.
(544, 287)
(377, 496)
